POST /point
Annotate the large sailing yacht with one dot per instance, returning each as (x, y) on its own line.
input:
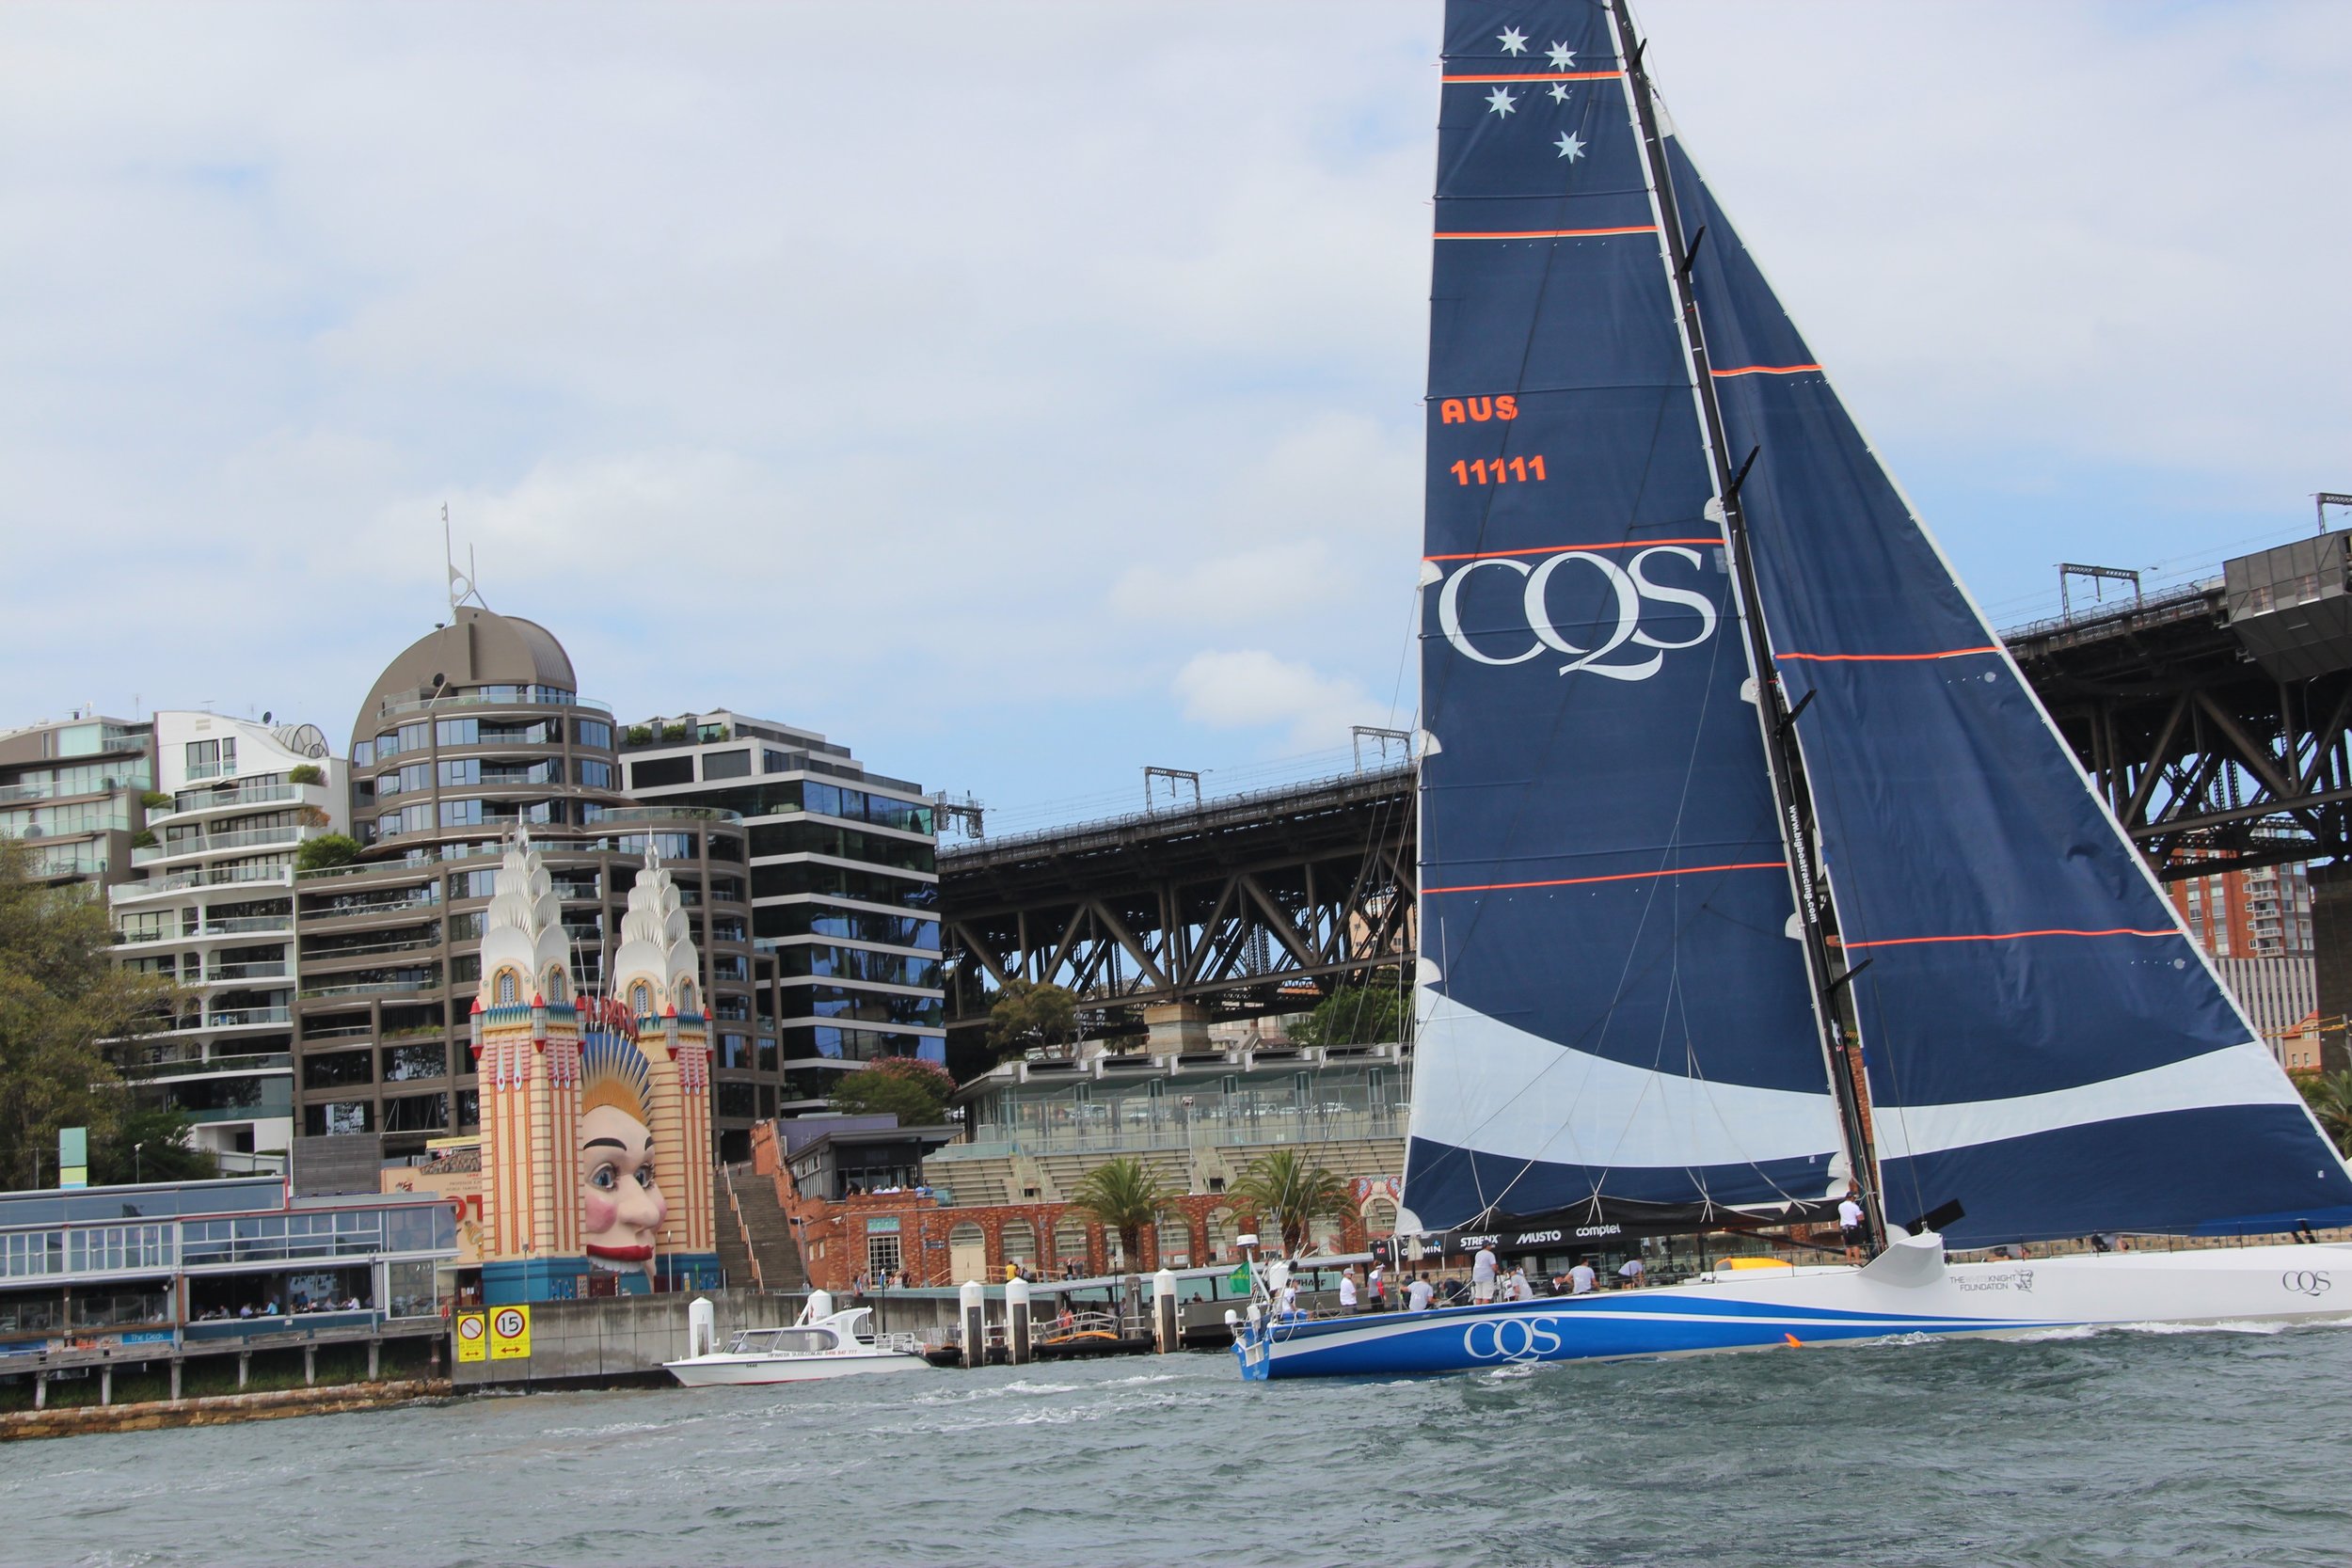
(1753, 872)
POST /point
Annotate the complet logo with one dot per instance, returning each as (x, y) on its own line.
(1630, 586)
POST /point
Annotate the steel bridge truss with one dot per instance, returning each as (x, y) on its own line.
(1241, 907)
(2248, 774)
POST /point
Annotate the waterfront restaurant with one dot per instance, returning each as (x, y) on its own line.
(106, 1277)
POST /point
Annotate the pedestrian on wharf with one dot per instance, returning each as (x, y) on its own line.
(1483, 1275)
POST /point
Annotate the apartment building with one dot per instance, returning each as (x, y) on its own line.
(474, 732)
(213, 909)
(844, 898)
(74, 792)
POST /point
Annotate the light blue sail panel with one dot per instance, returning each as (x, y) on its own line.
(1620, 1022)
(2046, 1048)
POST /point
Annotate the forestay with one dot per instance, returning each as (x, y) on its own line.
(1616, 1021)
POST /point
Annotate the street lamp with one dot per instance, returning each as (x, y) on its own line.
(139, 1168)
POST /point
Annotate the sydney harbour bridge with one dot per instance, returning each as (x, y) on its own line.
(2213, 717)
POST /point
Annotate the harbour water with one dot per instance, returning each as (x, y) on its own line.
(2125, 1446)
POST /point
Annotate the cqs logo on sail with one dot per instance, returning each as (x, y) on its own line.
(1630, 587)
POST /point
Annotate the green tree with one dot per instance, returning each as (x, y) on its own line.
(317, 854)
(305, 772)
(1373, 1012)
(150, 1143)
(2329, 1095)
(1122, 1195)
(61, 996)
(1282, 1189)
(1026, 1016)
(911, 1089)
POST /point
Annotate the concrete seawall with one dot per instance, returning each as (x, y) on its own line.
(216, 1410)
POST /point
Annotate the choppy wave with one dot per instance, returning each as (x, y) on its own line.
(2062, 1446)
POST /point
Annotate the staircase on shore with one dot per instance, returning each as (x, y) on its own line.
(754, 1236)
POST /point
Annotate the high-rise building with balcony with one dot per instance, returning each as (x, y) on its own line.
(474, 732)
(2257, 926)
(844, 896)
(213, 909)
(73, 792)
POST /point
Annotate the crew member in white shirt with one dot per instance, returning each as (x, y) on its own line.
(1580, 1278)
(1483, 1275)
(1418, 1294)
(1347, 1290)
(1850, 1221)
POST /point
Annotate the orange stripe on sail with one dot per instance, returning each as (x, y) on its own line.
(1887, 658)
(1764, 370)
(1619, 877)
(2007, 935)
(1555, 549)
(1550, 234)
(1542, 76)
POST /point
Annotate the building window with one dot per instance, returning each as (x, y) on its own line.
(594, 733)
(655, 772)
(506, 989)
(640, 1000)
(594, 774)
(727, 765)
(336, 1118)
(882, 1256)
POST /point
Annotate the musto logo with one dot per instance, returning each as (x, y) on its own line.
(2305, 1282)
(1511, 1339)
(1627, 590)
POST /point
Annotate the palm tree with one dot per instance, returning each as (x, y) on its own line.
(1285, 1188)
(2329, 1095)
(1122, 1195)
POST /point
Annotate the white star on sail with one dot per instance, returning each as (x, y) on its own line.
(1562, 57)
(1559, 92)
(1512, 40)
(1500, 100)
(1571, 148)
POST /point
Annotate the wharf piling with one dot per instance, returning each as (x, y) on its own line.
(1017, 1322)
(1166, 1330)
(973, 1305)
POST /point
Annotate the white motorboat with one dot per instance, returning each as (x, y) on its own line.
(834, 1345)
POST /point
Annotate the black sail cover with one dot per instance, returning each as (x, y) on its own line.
(1614, 1024)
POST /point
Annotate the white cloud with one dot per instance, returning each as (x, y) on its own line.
(1251, 688)
(958, 411)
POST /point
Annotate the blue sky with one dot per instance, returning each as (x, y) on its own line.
(1027, 394)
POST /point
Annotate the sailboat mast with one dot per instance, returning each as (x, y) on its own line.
(1781, 759)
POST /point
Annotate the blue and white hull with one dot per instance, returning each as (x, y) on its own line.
(1908, 1291)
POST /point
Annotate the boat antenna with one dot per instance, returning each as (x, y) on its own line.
(1781, 759)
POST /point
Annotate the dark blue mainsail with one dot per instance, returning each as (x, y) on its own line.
(1614, 1014)
(2047, 1049)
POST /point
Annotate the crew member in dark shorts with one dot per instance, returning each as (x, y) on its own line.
(1850, 1221)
